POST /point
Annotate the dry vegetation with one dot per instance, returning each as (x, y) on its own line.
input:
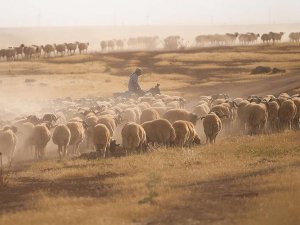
(241, 180)
(247, 180)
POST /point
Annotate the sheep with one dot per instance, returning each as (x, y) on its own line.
(77, 131)
(61, 137)
(185, 133)
(212, 126)
(149, 115)
(50, 118)
(129, 115)
(257, 118)
(273, 110)
(61, 49)
(110, 122)
(180, 114)
(10, 54)
(143, 106)
(19, 50)
(103, 45)
(91, 120)
(174, 105)
(133, 137)
(71, 47)
(223, 110)
(48, 49)
(201, 110)
(83, 47)
(159, 104)
(8, 141)
(25, 130)
(40, 137)
(161, 110)
(101, 139)
(296, 121)
(287, 113)
(159, 131)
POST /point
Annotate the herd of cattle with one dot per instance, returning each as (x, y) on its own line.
(140, 43)
(144, 122)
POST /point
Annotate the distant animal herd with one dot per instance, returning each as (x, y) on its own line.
(174, 42)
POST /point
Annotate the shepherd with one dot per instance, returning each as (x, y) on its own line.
(133, 84)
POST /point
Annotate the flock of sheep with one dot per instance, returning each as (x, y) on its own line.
(144, 42)
(35, 51)
(144, 122)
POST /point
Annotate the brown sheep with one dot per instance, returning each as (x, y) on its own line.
(287, 113)
(101, 139)
(133, 137)
(77, 135)
(149, 115)
(61, 137)
(8, 141)
(296, 122)
(183, 133)
(212, 126)
(159, 131)
(180, 114)
(40, 137)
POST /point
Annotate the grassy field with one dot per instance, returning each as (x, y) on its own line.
(189, 73)
(241, 180)
(245, 180)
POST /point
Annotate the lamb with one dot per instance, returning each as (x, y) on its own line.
(159, 131)
(133, 137)
(61, 137)
(185, 133)
(149, 115)
(287, 113)
(180, 114)
(40, 137)
(8, 141)
(77, 131)
(101, 139)
(83, 47)
(212, 126)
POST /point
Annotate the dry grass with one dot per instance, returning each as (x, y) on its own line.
(229, 183)
(187, 73)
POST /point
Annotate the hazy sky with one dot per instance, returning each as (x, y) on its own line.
(141, 12)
